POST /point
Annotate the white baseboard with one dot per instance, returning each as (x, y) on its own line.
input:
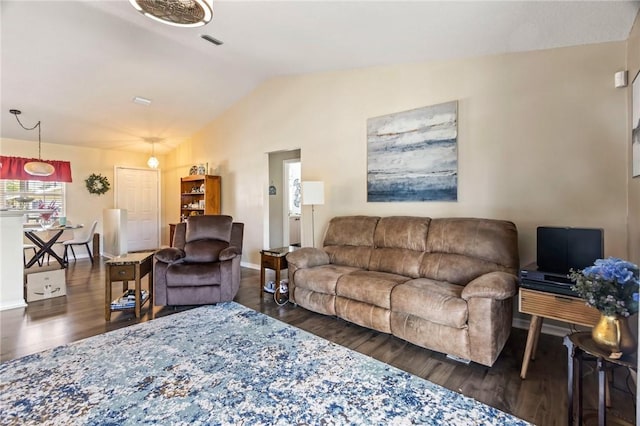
(13, 304)
(250, 265)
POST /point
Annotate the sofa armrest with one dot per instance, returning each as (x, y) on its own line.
(308, 257)
(494, 285)
(170, 255)
(229, 253)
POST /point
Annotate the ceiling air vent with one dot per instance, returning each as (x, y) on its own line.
(211, 39)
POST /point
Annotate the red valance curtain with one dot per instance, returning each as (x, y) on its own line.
(13, 168)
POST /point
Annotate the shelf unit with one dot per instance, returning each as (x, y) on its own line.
(200, 194)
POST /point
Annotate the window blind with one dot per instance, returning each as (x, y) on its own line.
(30, 194)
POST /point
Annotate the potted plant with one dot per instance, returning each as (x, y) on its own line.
(610, 286)
(51, 211)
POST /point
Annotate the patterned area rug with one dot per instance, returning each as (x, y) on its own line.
(223, 364)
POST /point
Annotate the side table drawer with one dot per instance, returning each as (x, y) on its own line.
(273, 262)
(122, 273)
(559, 307)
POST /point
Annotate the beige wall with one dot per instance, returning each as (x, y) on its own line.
(81, 207)
(633, 65)
(543, 140)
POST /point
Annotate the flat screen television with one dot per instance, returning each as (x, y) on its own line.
(562, 249)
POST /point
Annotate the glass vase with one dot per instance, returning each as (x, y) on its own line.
(612, 334)
(46, 221)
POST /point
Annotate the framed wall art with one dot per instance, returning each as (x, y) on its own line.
(413, 155)
(635, 126)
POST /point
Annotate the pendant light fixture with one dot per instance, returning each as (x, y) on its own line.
(35, 168)
(153, 161)
(180, 13)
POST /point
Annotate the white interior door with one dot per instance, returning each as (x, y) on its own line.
(137, 191)
(291, 181)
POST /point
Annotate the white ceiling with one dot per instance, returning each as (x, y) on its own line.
(76, 65)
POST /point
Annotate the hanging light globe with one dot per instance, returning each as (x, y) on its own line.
(153, 162)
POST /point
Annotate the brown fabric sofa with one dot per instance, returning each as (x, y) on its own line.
(203, 264)
(443, 284)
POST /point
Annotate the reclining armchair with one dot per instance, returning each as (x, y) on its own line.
(202, 266)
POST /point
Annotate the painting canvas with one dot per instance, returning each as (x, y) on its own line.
(413, 155)
(635, 123)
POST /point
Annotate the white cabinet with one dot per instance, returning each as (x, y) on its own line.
(115, 232)
(294, 230)
(11, 266)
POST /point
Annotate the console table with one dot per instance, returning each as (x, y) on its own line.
(540, 305)
(125, 268)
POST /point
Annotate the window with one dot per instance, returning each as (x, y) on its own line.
(29, 194)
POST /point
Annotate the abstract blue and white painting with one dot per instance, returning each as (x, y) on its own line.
(413, 155)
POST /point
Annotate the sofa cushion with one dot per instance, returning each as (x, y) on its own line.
(315, 301)
(370, 287)
(204, 250)
(494, 241)
(396, 261)
(402, 232)
(351, 231)
(215, 227)
(321, 279)
(455, 268)
(430, 335)
(435, 301)
(193, 274)
(357, 257)
(363, 314)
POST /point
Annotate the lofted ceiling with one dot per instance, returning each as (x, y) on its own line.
(77, 65)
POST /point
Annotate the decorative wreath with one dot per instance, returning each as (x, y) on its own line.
(97, 184)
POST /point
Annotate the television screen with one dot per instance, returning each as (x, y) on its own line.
(562, 249)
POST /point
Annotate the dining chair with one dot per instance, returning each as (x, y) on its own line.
(84, 240)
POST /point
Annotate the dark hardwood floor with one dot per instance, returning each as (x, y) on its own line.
(540, 399)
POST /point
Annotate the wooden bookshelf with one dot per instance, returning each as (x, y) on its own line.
(199, 195)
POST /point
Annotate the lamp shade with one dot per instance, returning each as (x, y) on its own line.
(39, 168)
(312, 192)
(180, 13)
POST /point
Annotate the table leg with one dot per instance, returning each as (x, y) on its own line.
(277, 278)
(107, 294)
(602, 410)
(536, 339)
(137, 291)
(570, 377)
(534, 330)
(151, 288)
(261, 283)
(44, 248)
(579, 392)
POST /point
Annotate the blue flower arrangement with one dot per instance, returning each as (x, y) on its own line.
(610, 286)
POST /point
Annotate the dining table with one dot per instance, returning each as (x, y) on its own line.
(44, 240)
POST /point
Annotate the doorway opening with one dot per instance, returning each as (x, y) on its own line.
(284, 217)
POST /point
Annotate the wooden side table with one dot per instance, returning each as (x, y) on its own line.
(125, 268)
(540, 305)
(579, 346)
(273, 259)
